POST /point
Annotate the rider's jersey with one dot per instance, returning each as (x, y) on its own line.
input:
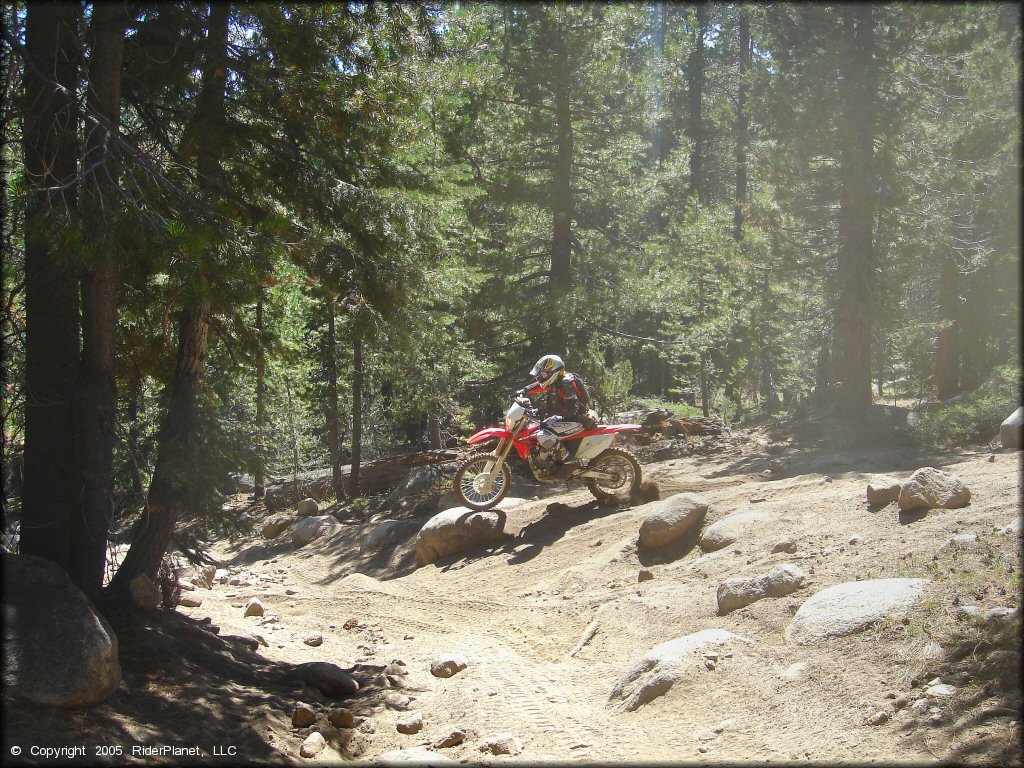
(566, 398)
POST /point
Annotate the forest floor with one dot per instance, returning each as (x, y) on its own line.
(519, 614)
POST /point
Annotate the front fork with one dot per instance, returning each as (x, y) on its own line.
(504, 446)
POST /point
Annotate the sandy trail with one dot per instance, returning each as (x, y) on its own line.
(516, 612)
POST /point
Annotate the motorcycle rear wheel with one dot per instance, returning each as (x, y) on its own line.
(469, 479)
(623, 465)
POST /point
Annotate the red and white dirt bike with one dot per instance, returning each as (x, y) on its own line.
(483, 479)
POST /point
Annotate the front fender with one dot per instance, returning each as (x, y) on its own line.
(491, 433)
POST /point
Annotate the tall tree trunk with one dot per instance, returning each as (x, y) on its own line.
(561, 236)
(260, 475)
(434, 428)
(947, 353)
(856, 262)
(96, 388)
(742, 124)
(705, 356)
(357, 411)
(333, 433)
(695, 83)
(51, 285)
(178, 457)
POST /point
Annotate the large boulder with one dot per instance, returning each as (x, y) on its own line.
(844, 609)
(931, 488)
(420, 491)
(456, 530)
(57, 649)
(883, 489)
(387, 533)
(1010, 430)
(665, 665)
(671, 518)
(728, 530)
(309, 528)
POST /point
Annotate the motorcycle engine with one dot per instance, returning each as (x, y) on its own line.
(543, 463)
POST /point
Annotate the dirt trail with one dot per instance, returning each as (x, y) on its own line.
(517, 612)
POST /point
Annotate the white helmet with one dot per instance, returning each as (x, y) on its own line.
(548, 370)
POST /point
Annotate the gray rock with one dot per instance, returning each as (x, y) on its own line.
(456, 530)
(783, 580)
(502, 744)
(309, 528)
(787, 545)
(57, 649)
(1012, 528)
(728, 530)
(932, 488)
(420, 491)
(447, 665)
(254, 607)
(307, 507)
(1010, 430)
(313, 639)
(671, 518)
(780, 581)
(883, 489)
(410, 723)
(276, 525)
(330, 679)
(386, 534)
(313, 745)
(190, 601)
(737, 593)
(453, 739)
(665, 665)
(851, 607)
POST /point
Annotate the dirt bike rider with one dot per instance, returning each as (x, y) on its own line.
(565, 409)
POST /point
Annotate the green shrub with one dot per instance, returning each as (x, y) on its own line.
(974, 417)
(679, 409)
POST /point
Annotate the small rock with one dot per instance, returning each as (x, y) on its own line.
(709, 664)
(290, 592)
(341, 718)
(446, 666)
(644, 575)
(787, 545)
(314, 639)
(350, 624)
(855, 539)
(254, 607)
(308, 507)
(880, 717)
(313, 745)
(453, 739)
(411, 723)
(921, 705)
(397, 701)
(330, 679)
(883, 489)
(941, 690)
(190, 601)
(368, 726)
(502, 744)
(303, 715)
(901, 703)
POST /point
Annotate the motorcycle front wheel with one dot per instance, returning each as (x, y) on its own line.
(624, 468)
(470, 483)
